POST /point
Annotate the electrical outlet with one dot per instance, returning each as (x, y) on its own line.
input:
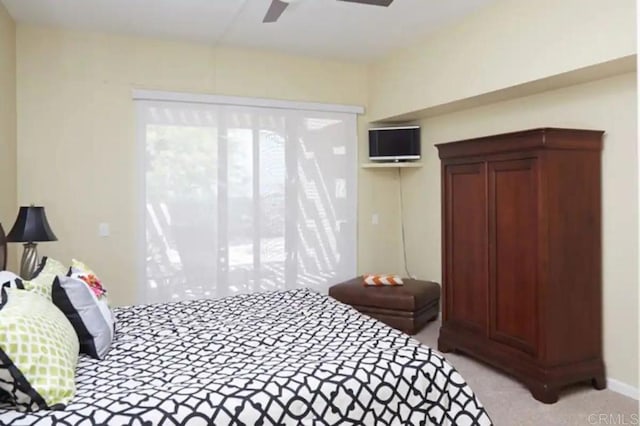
(375, 219)
(103, 229)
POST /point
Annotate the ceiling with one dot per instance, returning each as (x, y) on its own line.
(326, 28)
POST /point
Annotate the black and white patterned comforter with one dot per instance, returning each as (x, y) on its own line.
(281, 358)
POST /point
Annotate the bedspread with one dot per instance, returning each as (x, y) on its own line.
(293, 357)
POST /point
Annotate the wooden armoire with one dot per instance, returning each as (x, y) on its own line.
(521, 255)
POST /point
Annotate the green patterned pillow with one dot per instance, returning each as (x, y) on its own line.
(38, 351)
(42, 282)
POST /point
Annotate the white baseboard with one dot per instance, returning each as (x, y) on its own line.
(622, 388)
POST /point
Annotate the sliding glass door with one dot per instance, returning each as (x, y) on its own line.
(242, 199)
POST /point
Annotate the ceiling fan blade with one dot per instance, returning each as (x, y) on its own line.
(275, 10)
(384, 3)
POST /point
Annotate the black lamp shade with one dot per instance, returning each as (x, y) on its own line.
(31, 226)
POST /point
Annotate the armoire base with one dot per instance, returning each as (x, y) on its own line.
(544, 382)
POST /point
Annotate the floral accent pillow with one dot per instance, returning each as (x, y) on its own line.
(94, 284)
(80, 267)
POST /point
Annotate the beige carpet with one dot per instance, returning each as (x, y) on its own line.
(510, 404)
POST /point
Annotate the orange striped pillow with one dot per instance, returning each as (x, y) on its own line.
(380, 280)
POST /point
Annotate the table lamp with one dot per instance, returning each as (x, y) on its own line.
(31, 226)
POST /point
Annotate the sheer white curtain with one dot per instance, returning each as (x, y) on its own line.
(239, 199)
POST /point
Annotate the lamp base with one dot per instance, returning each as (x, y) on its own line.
(29, 262)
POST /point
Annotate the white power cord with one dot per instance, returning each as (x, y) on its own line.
(404, 243)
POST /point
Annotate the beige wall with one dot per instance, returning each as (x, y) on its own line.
(76, 126)
(506, 44)
(8, 206)
(609, 105)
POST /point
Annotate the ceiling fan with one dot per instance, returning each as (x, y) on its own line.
(278, 6)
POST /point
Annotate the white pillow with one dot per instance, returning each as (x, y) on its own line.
(9, 279)
(89, 313)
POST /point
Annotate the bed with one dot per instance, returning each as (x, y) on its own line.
(293, 357)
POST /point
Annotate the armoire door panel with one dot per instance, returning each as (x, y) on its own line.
(513, 253)
(466, 241)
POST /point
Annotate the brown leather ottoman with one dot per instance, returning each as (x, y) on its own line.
(407, 307)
